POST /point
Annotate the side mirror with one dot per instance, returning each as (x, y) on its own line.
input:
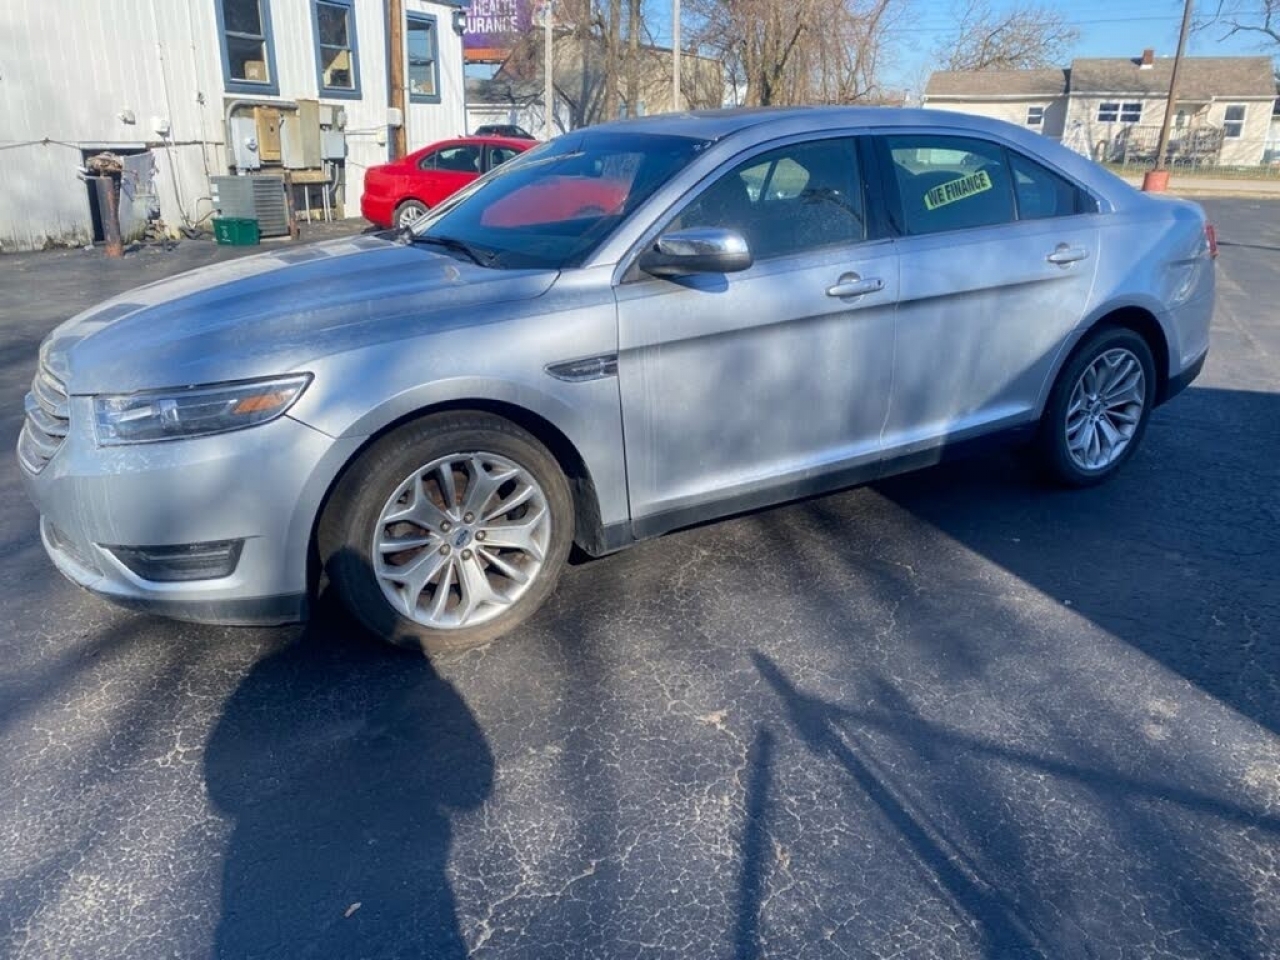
(699, 250)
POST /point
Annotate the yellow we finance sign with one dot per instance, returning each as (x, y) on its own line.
(954, 190)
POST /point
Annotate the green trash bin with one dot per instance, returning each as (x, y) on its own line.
(236, 231)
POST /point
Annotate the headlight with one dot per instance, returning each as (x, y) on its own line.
(194, 411)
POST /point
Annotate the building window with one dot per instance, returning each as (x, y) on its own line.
(337, 64)
(1233, 128)
(424, 67)
(1124, 112)
(248, 61)
(1035, 116)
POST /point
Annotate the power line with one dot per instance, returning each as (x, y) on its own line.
(951, 25)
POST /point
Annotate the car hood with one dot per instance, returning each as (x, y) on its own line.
(272, 313)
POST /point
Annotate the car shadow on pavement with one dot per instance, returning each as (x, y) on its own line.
(340, 765)
(1178, 556)
(1044, 774)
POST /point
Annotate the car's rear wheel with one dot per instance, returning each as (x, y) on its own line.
(1098, 409)
(448, 532)
(408, 213)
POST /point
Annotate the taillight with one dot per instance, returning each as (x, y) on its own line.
(1211, 234)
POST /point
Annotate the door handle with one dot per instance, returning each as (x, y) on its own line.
(1065, 255)
(852, 285)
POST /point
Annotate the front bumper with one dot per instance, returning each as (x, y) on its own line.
(263, 485)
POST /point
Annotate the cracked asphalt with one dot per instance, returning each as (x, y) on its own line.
(952, 715)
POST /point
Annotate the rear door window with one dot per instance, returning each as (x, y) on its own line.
(500, 155)
(1042, 193)
(464, 158)
(957, 183)
(950, 183)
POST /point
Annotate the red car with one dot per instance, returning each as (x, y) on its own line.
(398, 193)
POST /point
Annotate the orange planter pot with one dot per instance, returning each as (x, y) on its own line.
(1155, 181)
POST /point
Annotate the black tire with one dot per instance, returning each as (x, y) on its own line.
(417, 206)
(1052, 448)
(345, 535)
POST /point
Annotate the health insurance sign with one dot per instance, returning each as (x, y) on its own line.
(494, 27)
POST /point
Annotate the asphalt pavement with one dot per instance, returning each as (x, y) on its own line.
(951, 715)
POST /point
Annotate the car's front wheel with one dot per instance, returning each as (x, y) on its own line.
(448, 532)
(1098, 409)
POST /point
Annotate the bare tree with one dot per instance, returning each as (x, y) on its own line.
(1258, 17)
(794, 51)
(605, 64)
(1019, 37)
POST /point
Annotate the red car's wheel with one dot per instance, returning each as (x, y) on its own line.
(408, 213)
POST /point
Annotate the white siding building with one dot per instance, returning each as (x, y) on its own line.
(170, 76)
(1033, 98)
(1112, 108)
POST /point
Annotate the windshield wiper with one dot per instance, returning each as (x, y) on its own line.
(453, 243)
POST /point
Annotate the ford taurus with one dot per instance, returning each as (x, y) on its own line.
(630, 329)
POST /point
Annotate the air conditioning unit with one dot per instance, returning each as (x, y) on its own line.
(253, 198)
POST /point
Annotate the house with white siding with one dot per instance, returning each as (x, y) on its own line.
(195, 89)
(1036, 99)
(1112, 107)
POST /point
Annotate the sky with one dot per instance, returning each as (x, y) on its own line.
(1108, 28)
(1119, 28)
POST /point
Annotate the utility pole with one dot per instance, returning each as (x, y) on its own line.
(1158, 179)
(676, 99)
(613, 62)
(395, 58)
(633, 58)
(548, 88)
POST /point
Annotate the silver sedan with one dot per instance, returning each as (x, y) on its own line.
(630, 329)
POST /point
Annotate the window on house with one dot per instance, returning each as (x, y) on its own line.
(336, 61)
(1123, 112)
(424, 67)
(1035, 116)
(1233, 127)
(246, 45)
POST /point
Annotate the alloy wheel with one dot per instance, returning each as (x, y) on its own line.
(409, 216)
(1105, 409)
(461, 540)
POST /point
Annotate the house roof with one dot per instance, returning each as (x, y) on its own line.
(997, 83)
(1201, 78)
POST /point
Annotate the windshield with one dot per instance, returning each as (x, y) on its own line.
(553, 205)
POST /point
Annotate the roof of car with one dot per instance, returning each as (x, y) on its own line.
(717, 124)
(501, 140)
(761, 125)
(484, 138)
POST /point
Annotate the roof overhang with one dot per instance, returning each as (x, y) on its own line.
(991, 97)
(1164, 94)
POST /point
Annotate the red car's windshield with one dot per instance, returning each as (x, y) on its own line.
(550, 207)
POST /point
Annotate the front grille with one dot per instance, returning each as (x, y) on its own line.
(48, 417)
